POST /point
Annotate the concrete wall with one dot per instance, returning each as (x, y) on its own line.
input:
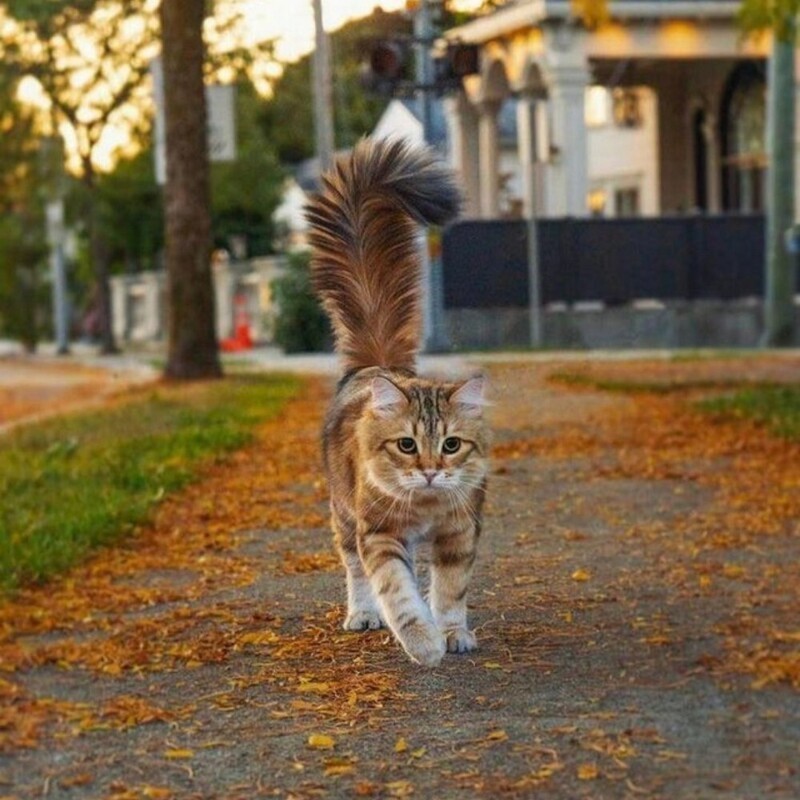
(674, 325)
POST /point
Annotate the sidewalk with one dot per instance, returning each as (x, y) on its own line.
(635, 601)
(35, 387)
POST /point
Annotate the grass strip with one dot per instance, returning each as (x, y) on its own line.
(74, 483)
(777, 407)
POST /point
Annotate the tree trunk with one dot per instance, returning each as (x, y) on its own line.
(192, 346)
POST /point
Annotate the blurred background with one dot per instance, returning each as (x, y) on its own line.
(628, 167)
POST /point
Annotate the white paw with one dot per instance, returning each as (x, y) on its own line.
(424, 643)
(363, 621)
(460, 640)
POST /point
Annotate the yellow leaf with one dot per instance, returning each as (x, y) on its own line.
(587, 772)
(176, 754)
(732, 571)
(156, 793)
(705, 581)
(581, 575)
(400, 746)
(496, 736)
(313, 686)
(321, 741)
(399, 788)
(258, 637)
(492, 665)
(339, 769)
(419, 752)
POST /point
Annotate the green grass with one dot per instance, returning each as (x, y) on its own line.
(78, 482)
(777, 407)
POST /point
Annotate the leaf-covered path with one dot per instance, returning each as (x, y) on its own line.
(636, 603)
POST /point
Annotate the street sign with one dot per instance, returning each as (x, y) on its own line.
(221, 114)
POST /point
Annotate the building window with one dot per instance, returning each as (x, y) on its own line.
(626, 202)
(597, 107)
(627, 108)
(614, 198)
(743, 128)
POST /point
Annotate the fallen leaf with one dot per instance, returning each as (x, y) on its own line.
(581, 575)
(588, 772)
(321, 741)
(314, 686)
(156, 792)
(399, 788)
(177, 754)
(400, 746)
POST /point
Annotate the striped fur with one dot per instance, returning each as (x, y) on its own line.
(384, 501)
(365, 263)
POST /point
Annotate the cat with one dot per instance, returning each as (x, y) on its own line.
(405, 457)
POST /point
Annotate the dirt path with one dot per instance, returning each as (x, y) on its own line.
(636, 604)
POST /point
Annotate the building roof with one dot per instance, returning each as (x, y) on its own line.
(524, 14)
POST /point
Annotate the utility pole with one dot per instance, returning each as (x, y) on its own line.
(323, 91)
(780, 265)
(435, 335)
(55, 237)
(53, 167)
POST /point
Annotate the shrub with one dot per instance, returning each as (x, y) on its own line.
(301, 325)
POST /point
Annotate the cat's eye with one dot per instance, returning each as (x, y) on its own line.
(452, 444)
(407, 445)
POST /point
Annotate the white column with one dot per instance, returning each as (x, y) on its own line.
(462, 122)
(489, 148)
(568, 179)
(531, 144)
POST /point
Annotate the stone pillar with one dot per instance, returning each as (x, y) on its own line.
(568, 179)
(489, 149)
(532, 145)
(462, 123)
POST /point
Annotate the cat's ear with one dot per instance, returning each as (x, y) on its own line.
(471, 397)
(387, 399)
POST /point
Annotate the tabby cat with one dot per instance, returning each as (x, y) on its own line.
(406, 457)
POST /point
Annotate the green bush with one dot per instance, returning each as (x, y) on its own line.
(301, 325)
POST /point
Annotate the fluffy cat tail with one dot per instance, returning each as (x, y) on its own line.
(365, 264)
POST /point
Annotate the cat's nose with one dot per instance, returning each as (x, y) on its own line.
(430, 474)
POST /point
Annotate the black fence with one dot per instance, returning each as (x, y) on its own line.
(485, 263)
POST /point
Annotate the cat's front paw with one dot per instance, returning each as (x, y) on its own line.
(424, 643)
(363, 621)
(460, 640)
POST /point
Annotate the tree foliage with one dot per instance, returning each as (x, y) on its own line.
(288, 117)
(779, 16)
(22, 237)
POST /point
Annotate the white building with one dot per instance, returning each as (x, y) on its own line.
(659, 111)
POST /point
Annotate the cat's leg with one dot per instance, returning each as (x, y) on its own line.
(452, 558)
(362, 608)
(390, 567)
